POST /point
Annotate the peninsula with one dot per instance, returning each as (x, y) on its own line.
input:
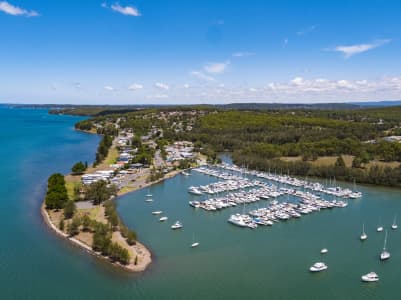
(142, 147)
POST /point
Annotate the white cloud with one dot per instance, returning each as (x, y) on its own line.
(162, 86)
(16, 11)
(135, 87)
(186, 86)
(298, 81)
(216, 67)
(202, 76)
(285, 42)
(351, 50)
(109, 88)
(125, 10)
(158, 96)
(242, 54)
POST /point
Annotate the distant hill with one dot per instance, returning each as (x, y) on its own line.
(96, 110)
(279, 106)
(379, 103)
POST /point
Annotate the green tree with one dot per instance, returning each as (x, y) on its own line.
(131, 237)
(98, 192)
(356, 162)
(86, 223)
(340, 162)
(69, 209)
(78, 168)
(61, 225)
(56, 196)
(73, 227)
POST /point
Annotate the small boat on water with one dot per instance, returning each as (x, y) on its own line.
(149, 197)
(370, 277)
(177, 225)
(363, 235)
(318, 267)
(194, 190)
(157, 212)
(162, 219)
(194, 244)
(185, 173)
(195, 204)
(324, 251)
(385, 254)
(394, 226)
(380, 227)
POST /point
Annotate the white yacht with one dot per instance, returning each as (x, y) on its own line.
(385, 254)
(324, 251)
(394, 226)
(185, 173)
(194, 190)
(370, 277)
(162, 219)
(176, 225)
(363, 235)
(317, 267)
(237, 220)
(157, 212)
(148, 200)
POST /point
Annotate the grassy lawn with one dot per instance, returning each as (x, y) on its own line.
(96, 213)
(70, 183)
(112, 156)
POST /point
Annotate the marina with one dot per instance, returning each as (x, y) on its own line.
(327, 221)
(252, 190)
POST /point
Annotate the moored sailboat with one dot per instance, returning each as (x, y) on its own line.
(394, 226)
(364, 236)
(385, 254)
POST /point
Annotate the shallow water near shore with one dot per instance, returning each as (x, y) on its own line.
(230, 262)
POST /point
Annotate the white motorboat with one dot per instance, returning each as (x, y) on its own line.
(157, 212)
(370, 277)
(195, 204)
(363, 235)
(195, 191)
(318, 267)
(394, 226)
(324, 251)
(385, 254)
(185, 173)
(194, 244)
(162, 219)
(149, 200)
(176, 225)
(237, 220)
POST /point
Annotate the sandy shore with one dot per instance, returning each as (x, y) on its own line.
(144, 255)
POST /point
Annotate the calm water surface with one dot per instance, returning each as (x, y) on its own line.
(230, 263)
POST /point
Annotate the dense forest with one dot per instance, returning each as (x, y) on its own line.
(262, 138)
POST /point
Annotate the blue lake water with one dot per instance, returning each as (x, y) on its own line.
(230, 263)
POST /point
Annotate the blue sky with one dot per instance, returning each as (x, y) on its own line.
(209, 51)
